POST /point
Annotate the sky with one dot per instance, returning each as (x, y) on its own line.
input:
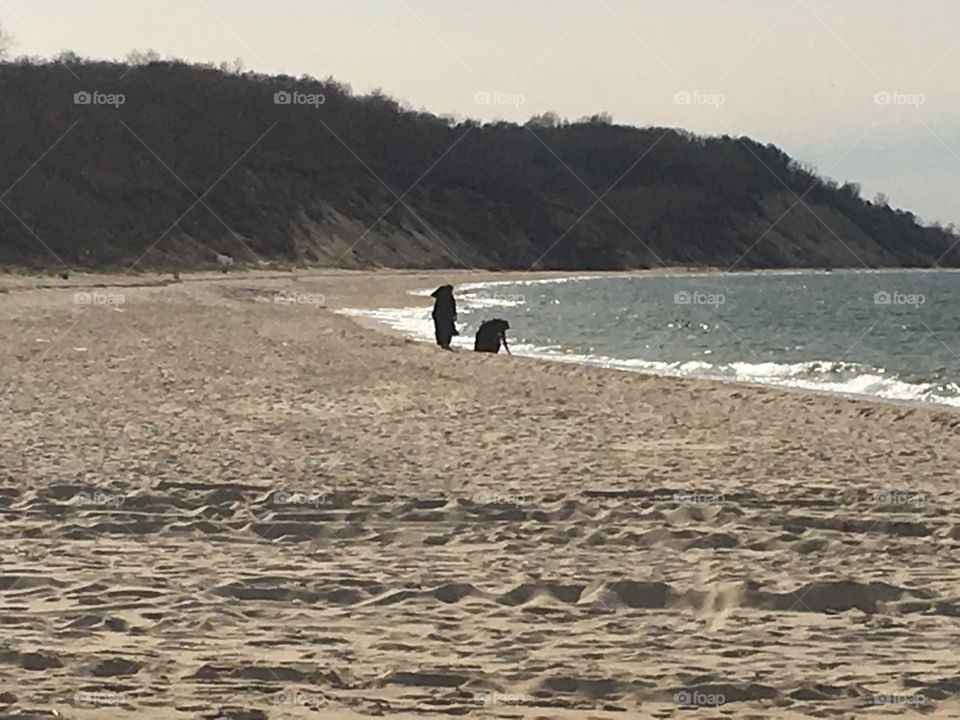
(862, 90)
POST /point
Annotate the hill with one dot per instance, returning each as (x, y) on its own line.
(168, 165)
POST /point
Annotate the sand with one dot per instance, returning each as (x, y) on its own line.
(219, 506)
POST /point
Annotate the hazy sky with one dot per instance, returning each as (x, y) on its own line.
(804, 74)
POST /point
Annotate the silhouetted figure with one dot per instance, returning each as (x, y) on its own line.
(444, 315)
(490, 335)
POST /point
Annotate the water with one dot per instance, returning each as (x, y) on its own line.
(893, 335)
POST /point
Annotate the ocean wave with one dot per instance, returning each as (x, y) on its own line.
(818, 376)
(684, 274)
(470, 287)
(789, 370)
(536, 281)
(843, 378)
(477, 302)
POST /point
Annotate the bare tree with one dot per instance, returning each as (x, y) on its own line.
(548, 119)
(232, 68)
(603, 118)
(6, 42)
(135, 57)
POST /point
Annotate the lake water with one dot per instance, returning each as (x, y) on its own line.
(893, 334)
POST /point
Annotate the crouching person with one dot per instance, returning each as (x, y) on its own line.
(490, 335)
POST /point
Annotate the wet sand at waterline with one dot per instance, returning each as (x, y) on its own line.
(216, 505)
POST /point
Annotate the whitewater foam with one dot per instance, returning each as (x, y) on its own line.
(831, 376)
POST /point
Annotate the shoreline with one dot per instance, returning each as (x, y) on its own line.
(411, 293)
(395, 289)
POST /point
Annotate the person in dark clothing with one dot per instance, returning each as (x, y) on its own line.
(490, 335)
(444, 315)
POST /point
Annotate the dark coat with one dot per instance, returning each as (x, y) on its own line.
(444, 315)
(490, 335)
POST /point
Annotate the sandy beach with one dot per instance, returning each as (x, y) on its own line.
(216, 505)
